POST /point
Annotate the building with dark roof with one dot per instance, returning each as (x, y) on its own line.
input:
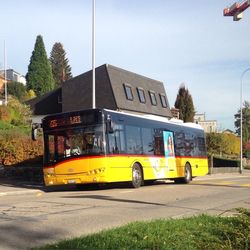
(116, 89)
(50, 103)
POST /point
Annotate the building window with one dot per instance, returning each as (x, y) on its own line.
(163, 101)
(141, 95)
(128, 92)
(153, 98)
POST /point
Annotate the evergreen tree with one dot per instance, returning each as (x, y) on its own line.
(60, 64)
(184, 102)
(245, 122)
(39, 76)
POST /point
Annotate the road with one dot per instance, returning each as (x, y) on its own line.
(31, 217)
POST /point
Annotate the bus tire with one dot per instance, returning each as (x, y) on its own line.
(188, 175)
(137, 176)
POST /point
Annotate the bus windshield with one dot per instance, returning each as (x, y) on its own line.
(66, 143)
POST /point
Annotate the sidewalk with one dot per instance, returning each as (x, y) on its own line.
(14, 187)
(246, 173)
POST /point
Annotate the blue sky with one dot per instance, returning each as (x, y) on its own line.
(175, 42)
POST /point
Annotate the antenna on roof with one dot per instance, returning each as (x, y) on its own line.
(93, 55)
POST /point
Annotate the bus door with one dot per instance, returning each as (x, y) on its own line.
(169, 151)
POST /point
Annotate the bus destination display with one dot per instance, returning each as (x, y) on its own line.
(60, 122)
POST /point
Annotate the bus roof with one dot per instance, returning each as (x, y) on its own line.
(142, 116)
(159, 118)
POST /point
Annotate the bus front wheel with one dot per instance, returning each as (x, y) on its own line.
(188, 176)
(137, 176)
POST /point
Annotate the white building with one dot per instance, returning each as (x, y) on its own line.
(209, 126)
(12, 75)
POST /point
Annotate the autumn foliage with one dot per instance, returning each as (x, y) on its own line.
(16, 145)
(16, 148)
(227, 145)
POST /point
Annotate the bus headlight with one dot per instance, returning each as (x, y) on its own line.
(50, 172)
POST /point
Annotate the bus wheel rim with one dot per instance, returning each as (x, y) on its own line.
(137, 176)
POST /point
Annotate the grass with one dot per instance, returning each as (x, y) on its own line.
(201, 232)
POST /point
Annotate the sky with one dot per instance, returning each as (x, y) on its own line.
(176, 42)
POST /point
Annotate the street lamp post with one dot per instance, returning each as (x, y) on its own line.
(241, 123)
(5, 77)
(93, 55)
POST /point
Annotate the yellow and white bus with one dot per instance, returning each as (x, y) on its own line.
(104, 146)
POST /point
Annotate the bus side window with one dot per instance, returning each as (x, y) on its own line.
(201, 146)
(116, 139)
(189, 144)
(122, 138)
(158, 142)
(147, 141)
(179, 143)
(113, 147)
(134, 142)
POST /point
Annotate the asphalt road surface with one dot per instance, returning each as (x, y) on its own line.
(29, 216)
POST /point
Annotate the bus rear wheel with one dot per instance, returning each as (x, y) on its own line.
(188, 176)
(137, 176)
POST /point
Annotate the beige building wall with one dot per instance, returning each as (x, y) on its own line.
(209, 126)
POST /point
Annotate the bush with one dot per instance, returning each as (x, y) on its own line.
(20, 113)
(18, 90)
(16, 147)
(223, 144)
(5, 114)
(15, 113)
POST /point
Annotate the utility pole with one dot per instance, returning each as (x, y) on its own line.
(93, 55)
(241, 120)
(5, 76)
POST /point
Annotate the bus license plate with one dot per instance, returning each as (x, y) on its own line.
(71, 181)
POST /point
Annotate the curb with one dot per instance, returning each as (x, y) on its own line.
(21, 192)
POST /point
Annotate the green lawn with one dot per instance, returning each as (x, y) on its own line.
(202, 232)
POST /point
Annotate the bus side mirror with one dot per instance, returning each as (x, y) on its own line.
(34, 131)
(109, 125)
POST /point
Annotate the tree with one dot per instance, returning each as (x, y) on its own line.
(223, 144)
(60, 64)
(184, 103)
(245, 122)
(39, 76)
(18, 90)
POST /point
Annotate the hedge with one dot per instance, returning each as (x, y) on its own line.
(16, 147)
